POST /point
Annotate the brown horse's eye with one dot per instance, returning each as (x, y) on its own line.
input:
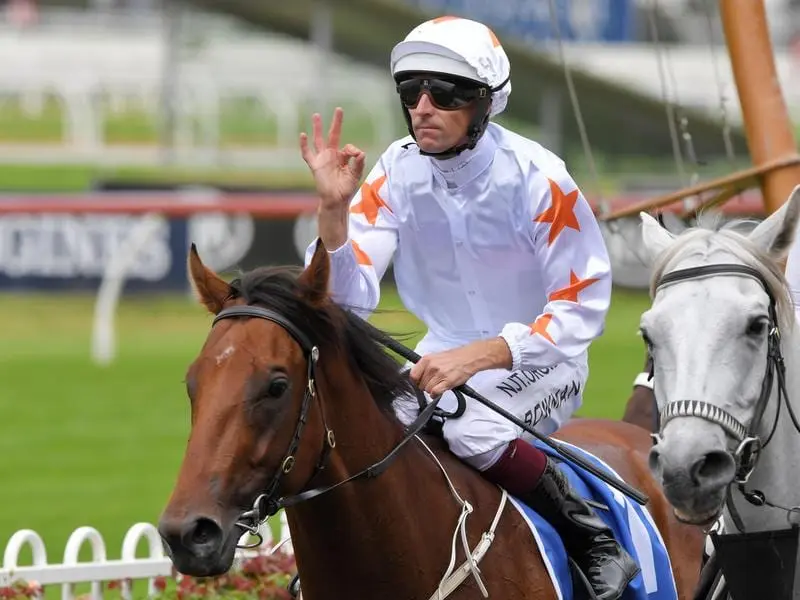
(277, 387)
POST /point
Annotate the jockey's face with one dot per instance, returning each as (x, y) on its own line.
(438, 129)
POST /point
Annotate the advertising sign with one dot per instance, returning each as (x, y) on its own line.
(70, 252)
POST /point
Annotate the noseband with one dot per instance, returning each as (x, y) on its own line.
(748, 443)
(269, 503)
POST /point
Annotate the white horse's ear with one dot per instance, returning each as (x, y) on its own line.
(776, 234)
(655, 237)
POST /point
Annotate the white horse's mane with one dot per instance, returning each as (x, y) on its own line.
(711, 235)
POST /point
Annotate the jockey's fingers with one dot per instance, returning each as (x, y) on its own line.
(305, 151)
(429, 379)
(348, 153)
(425, 381)
(358, 164)
(335, 131)
(316, 128)
(416, 372)
(439, 388)
(350, 150)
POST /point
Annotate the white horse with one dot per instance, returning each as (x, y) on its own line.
(720, 330)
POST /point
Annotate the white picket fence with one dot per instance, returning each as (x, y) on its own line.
(100, 568)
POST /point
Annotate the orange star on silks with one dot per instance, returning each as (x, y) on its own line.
(362, 257)
(371, 201)
(561, 213)
(540, 326)
(570, 292)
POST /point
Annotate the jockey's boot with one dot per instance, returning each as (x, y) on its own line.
(587, 539)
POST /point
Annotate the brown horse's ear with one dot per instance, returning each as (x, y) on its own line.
(211, 290)
(314, 279)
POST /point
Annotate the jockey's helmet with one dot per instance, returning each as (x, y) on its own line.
(465, 62)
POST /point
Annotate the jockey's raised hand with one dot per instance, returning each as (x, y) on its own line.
(337, 173)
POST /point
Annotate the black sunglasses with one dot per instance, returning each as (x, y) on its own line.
(445, 95)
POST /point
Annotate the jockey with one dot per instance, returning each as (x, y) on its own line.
(496, 250)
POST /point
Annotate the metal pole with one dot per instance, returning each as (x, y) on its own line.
(769, 131)
(171, 15)
(322, 37)
(550, 119)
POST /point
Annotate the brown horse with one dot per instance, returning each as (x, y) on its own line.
(641, 406)
(298, 370)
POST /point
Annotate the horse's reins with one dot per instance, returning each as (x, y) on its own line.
(749, 445)
(268, 504)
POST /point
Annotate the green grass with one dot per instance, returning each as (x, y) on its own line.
(101, 446)
(66, 179)
(242, 123)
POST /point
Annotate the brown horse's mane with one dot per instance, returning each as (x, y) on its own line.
(334, 329)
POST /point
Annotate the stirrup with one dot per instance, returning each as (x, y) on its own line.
(294, 586)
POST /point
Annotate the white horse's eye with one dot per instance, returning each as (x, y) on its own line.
(757, 326)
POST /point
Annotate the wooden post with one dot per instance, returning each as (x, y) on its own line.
(769, 131)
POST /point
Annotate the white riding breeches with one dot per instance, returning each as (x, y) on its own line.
(542, 398)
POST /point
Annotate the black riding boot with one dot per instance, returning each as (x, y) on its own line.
(588, 540)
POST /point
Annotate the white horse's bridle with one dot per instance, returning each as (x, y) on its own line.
(748, 444)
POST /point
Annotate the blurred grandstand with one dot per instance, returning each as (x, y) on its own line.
(124, 82)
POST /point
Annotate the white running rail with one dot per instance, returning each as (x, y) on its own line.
(101, 568)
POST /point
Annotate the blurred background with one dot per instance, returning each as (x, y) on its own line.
(130, 128)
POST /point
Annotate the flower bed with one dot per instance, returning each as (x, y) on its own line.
(259, 578)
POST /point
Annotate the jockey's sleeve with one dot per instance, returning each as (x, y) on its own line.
(358, 265)
(575, 274)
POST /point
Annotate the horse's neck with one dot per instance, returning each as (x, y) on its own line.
(399, 522)
(778, 468)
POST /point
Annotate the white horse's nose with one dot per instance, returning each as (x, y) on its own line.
(706, 472)
(694, 480)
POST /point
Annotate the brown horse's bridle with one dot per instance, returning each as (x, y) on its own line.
(748, 443)
(268, 503)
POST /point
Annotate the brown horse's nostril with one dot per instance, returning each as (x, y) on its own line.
(201, 536)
